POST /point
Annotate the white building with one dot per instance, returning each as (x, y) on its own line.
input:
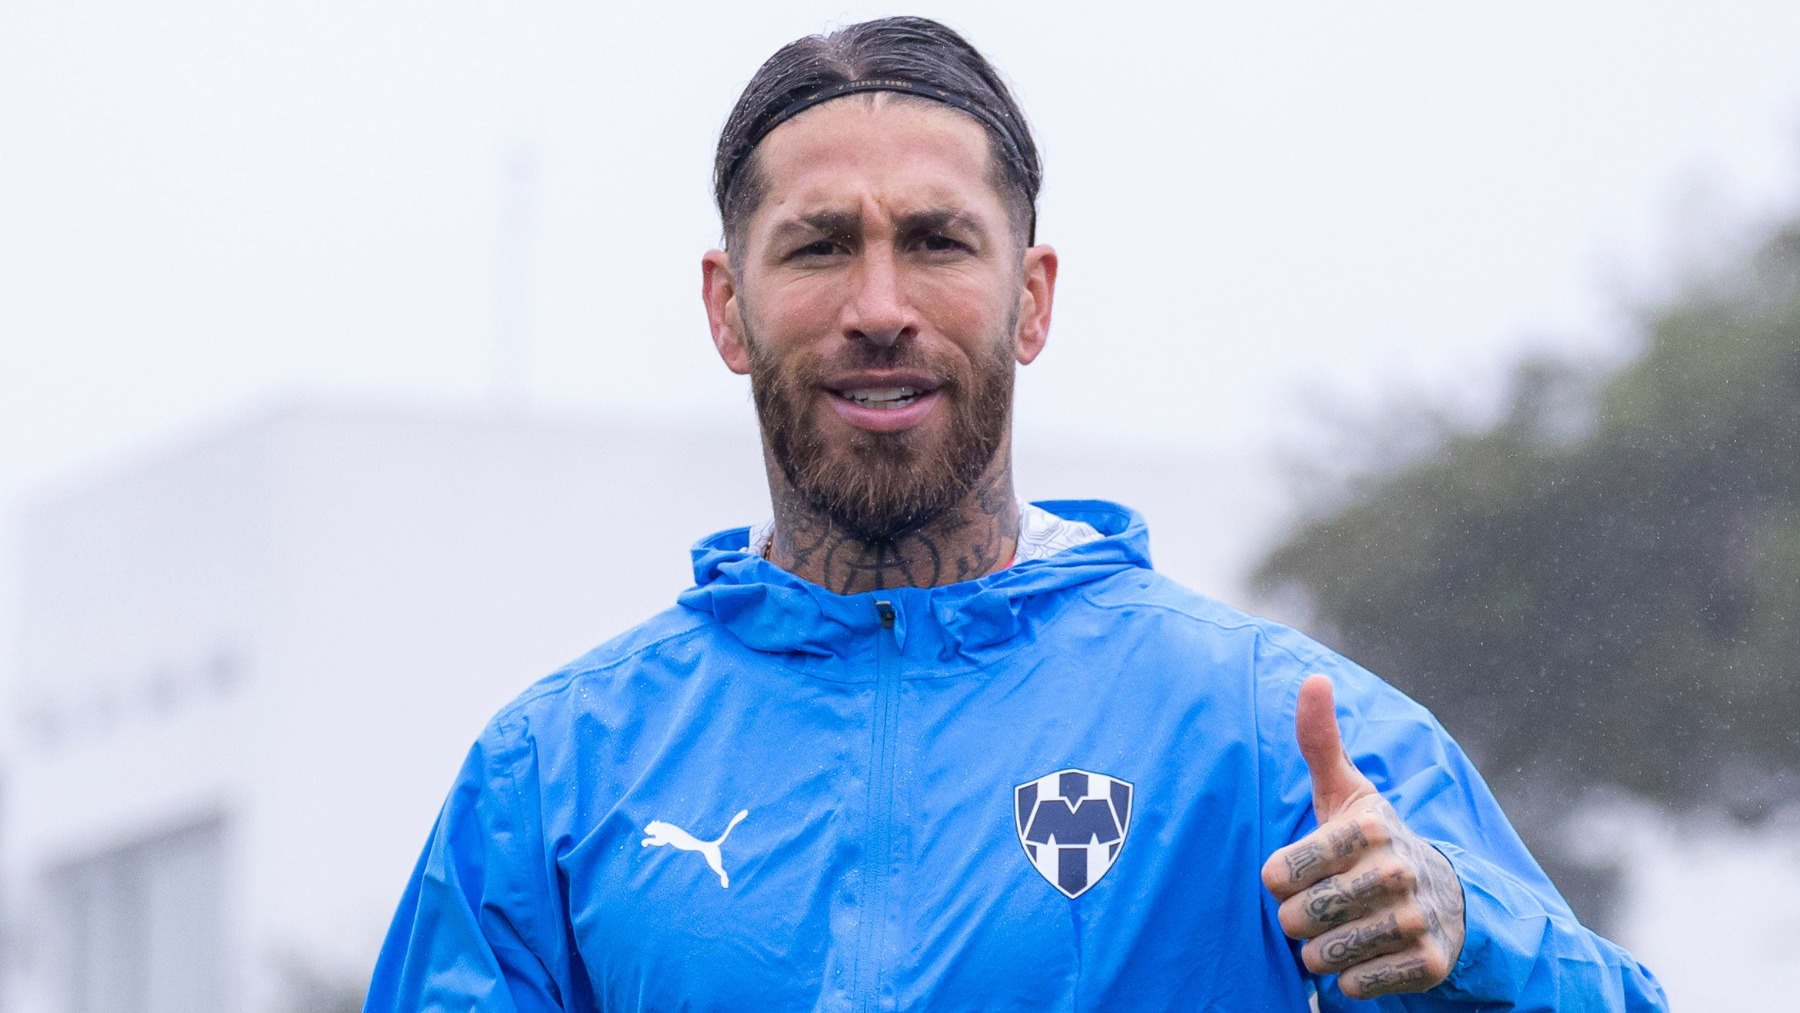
(249, 669)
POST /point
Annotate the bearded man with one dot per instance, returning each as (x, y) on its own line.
(913, 744)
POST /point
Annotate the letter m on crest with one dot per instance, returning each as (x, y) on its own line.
(1072, 825)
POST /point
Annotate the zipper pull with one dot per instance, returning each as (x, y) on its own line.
(885, 609)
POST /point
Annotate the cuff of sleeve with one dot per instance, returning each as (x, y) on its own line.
(1471, 978)
(1505, 929)
(1524, 950)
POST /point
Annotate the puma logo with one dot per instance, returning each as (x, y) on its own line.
(668, 833)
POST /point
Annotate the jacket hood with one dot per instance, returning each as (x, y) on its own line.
(770, 609)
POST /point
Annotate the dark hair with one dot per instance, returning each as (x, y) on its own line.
(916, 51)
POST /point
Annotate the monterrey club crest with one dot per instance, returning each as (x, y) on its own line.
(1072, 824)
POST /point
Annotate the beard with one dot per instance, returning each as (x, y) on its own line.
(877, 487)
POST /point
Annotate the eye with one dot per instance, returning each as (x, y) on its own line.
(816, 249)
(939, 243)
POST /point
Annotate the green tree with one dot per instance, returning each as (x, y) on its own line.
(1603, 589)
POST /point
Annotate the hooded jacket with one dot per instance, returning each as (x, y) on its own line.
(1049, 789)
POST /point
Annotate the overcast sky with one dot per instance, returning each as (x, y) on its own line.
(1258, 206)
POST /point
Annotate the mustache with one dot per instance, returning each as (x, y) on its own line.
(852, 356)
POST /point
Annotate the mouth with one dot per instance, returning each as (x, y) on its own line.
(887, 403)
(881, 398)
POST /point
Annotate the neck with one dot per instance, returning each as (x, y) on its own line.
(976, 537)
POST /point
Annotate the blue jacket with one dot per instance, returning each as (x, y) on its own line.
(1051, 788)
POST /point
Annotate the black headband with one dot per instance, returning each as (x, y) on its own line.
(996, 126)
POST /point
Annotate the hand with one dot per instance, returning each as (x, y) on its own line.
(1379, 907)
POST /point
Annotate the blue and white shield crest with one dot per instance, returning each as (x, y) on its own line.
(1073, 824)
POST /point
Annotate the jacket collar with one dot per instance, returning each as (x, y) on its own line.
(770, 609)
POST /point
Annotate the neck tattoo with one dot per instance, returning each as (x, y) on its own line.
(972, 539)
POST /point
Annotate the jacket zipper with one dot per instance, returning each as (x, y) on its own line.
(880, 844)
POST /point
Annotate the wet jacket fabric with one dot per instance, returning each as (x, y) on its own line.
(1048, 789)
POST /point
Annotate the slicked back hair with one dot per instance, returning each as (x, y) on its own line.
(917, 50)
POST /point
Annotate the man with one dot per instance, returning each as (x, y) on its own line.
(914, 745)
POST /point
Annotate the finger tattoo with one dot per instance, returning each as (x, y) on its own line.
(1329, 905)
(1303, 860)
(1353, 946)
(1396, 976)
(1332, 904)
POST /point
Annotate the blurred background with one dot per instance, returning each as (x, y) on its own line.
(353, 375)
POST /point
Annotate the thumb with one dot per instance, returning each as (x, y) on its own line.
(1335, 780)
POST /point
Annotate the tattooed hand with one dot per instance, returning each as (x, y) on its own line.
(1379, 907)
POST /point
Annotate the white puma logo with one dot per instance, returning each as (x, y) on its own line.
(668, 833)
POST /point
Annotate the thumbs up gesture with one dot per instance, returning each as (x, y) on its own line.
(1379, 907)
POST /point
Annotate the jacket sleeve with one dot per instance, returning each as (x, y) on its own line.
(1524, 949)
(478, 929)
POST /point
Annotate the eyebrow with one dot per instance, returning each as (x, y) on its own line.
(940, 220)
(830, 223)
(850, 223)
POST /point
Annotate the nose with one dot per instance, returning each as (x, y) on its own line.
(877, 312)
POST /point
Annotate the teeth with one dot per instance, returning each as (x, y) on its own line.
(882, 397)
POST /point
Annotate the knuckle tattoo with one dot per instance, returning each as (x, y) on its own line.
(1375, 882)
(1348, 840)
(1402, 878)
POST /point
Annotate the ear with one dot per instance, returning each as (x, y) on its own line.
(718, 289)
(1034, 303)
